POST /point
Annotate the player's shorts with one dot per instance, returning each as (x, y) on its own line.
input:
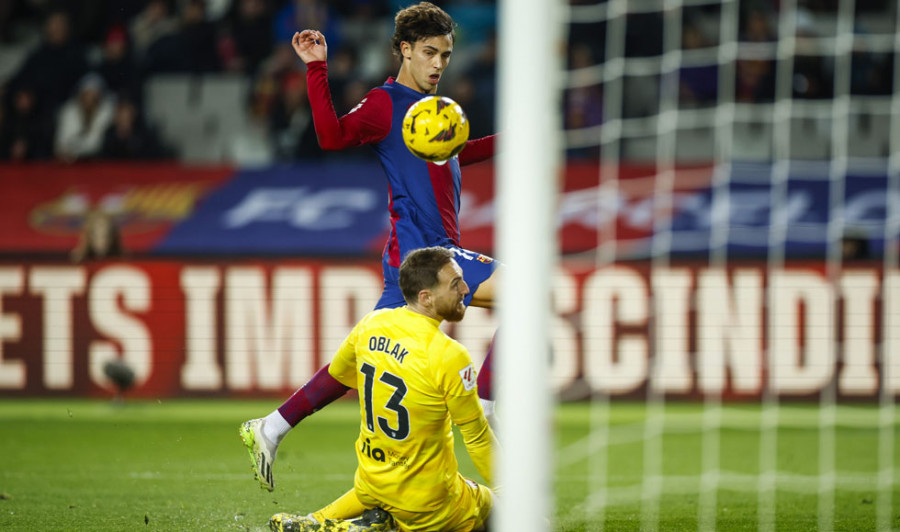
(475, 266)
(469, 511)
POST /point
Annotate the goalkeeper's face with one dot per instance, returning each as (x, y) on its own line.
(450, 292)
(425, 61)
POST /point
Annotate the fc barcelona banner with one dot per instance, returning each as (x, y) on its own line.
(252, 327)
(174, 209)
(341, 208)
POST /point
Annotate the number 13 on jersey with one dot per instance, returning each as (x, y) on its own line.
(397, 429)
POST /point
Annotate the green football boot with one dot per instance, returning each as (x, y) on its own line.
(262, 452)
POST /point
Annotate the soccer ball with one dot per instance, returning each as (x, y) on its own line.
(435, 128)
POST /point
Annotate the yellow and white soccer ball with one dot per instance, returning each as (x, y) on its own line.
(435, 128)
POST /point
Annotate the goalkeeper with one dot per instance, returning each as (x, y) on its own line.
(413, 381)
(424, 197)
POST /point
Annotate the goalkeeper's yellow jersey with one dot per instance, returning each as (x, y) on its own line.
(413, 381)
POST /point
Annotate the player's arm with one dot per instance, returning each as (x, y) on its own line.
(468, 415)
(458, 381)
(370, 121)
(477, 150)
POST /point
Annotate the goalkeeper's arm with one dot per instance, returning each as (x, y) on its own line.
(476, 433)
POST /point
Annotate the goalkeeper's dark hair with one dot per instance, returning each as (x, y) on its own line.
(419, 270)
(421, 21)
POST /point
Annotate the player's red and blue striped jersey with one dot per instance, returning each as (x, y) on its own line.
(424, 197)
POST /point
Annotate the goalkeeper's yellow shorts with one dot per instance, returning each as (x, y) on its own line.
(469, 511)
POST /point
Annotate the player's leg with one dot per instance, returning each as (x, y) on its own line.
(469, 511)
(484, 295)
(262, 436)
(345, 514)
(482, 274)
(478, 501)
(346, 506)
(485, 382)
(372, 520)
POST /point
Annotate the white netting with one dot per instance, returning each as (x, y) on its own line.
(749, 136)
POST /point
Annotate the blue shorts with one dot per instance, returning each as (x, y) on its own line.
(475, 266)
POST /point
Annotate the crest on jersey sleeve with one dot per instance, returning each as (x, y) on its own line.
(469, 377)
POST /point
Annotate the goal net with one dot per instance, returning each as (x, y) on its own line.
(740, 302)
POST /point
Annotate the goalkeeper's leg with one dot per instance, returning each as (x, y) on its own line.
(345, 514)
(346, 506)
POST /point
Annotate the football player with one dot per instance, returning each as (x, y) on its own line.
(413, 382)
(424, 197)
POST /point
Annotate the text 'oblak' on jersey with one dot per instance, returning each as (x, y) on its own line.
(385, 345)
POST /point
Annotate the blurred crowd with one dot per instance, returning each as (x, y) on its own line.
(695, 82)
(79, 90)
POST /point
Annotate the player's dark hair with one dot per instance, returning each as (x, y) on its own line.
(421, 21)
(419, 270)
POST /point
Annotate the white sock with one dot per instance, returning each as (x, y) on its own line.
(488, 406)
(275, 428)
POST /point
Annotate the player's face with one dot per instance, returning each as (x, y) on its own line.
(425, 61)
(450, 292)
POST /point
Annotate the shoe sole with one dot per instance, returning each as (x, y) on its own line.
(296, 523)
(249, 442)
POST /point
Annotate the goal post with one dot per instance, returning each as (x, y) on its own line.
(736, 165)
(529, 44)
(739, 147)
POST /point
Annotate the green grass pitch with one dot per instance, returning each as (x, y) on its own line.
(72, 464)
